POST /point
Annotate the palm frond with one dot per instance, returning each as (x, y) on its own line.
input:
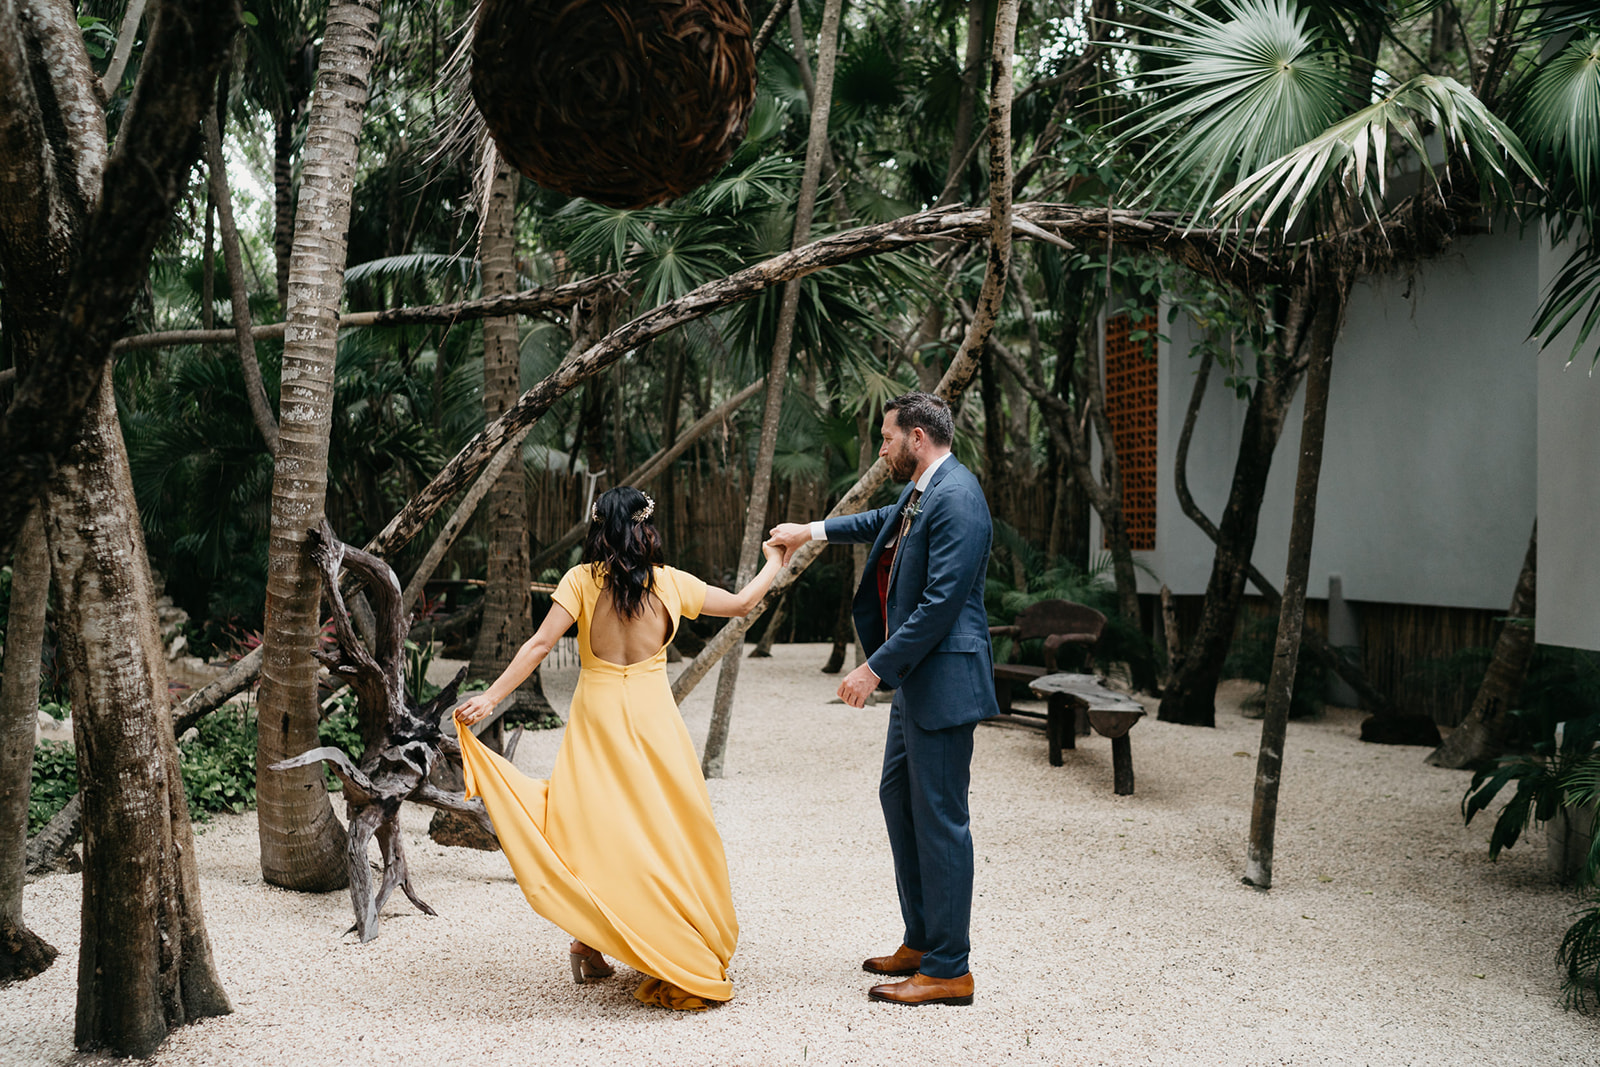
(1351, 154)
(1559, 111)
(1580, 955)
(1233, 94)
(426, 266)
(1575, 291)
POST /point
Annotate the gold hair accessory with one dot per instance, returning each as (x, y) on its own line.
(642, 514)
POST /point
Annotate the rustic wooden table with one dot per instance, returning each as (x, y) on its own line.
(1112, 715)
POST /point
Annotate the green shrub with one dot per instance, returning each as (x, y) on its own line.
(55, 779)
(219, 765)
(1250, 657)
(341, 726)
(218, 768)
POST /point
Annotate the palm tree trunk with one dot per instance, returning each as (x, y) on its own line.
(1313, 643)
(777, 378)
(23, 953)
(1485, 732)
(302, 843)
(144, 962)
(507, 603)
(282, 201)
(1291, 617)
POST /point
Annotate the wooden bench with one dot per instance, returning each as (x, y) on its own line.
(1059, 622)
(1112, 715)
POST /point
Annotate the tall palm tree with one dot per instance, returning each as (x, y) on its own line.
(508, 603)
(302, 843)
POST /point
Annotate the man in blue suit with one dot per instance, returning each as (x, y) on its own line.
(920, 615)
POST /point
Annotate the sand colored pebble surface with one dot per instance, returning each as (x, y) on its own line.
(1106, 929)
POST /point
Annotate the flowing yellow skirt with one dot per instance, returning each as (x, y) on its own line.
(619, 848)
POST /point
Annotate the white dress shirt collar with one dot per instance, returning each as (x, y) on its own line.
(927, 475)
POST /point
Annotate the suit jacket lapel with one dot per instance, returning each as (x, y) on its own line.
(887, 531)
(938, 476)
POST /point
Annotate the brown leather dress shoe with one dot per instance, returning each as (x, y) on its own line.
(901, 962)
(922, 989)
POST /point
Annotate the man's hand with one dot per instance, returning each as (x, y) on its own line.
(790, 536)
(858, 686)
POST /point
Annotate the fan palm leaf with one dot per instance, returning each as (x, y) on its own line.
(1231, 94)
(1352, 154)
(1559, 112)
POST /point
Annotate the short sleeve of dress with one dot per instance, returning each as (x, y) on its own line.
(569, 592)
(691, 592)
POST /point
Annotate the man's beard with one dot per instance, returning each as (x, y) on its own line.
(902, 464)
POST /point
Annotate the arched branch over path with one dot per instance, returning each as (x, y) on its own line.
(1203, 250)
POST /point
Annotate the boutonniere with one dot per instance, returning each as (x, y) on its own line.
(912, 510)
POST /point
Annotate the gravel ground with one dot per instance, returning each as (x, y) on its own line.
(1106, 929)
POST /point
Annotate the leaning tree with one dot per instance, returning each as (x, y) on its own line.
(77, 228)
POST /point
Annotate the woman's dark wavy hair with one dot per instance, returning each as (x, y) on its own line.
(621, 551)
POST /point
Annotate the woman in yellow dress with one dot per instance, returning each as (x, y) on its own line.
(619, 848)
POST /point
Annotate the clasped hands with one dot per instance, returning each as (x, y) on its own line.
(859, 684)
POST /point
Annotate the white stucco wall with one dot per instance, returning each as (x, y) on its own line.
(1428, 476)
(1568, 593)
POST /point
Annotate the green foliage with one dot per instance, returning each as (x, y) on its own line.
(341, 728)
(219, 765)
(1580, 955)
(1250, 657)
(1044, 578)
(1233, 93)
(218, 768)
(1561, 768)
(55, 780)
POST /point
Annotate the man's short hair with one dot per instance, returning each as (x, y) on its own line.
(923, 410)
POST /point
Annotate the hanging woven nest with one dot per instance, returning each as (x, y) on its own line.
(626, 102)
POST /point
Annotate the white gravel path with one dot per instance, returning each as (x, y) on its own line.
(1106, 930)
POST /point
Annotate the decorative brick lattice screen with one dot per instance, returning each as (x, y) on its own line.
(1131, 407)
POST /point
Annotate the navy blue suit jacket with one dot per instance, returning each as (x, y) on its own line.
(936, 650)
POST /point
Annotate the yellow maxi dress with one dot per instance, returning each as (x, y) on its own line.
(619, 848)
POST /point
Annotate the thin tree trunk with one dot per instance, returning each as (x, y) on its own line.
(1104, 491)
(777, 377)
(144, 959)
(131, 17)
(967, 103)
(23, 953)
(507, 602)
(255, 389)
(1328, 657)
(956, 379)
(1191, 698)
(1291, 617)
(1485, 733)
(302, 843)
(844, 632)
(208, 267)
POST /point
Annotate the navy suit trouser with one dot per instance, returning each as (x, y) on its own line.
(924, 795)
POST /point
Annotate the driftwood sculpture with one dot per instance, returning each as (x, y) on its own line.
(396, 765)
